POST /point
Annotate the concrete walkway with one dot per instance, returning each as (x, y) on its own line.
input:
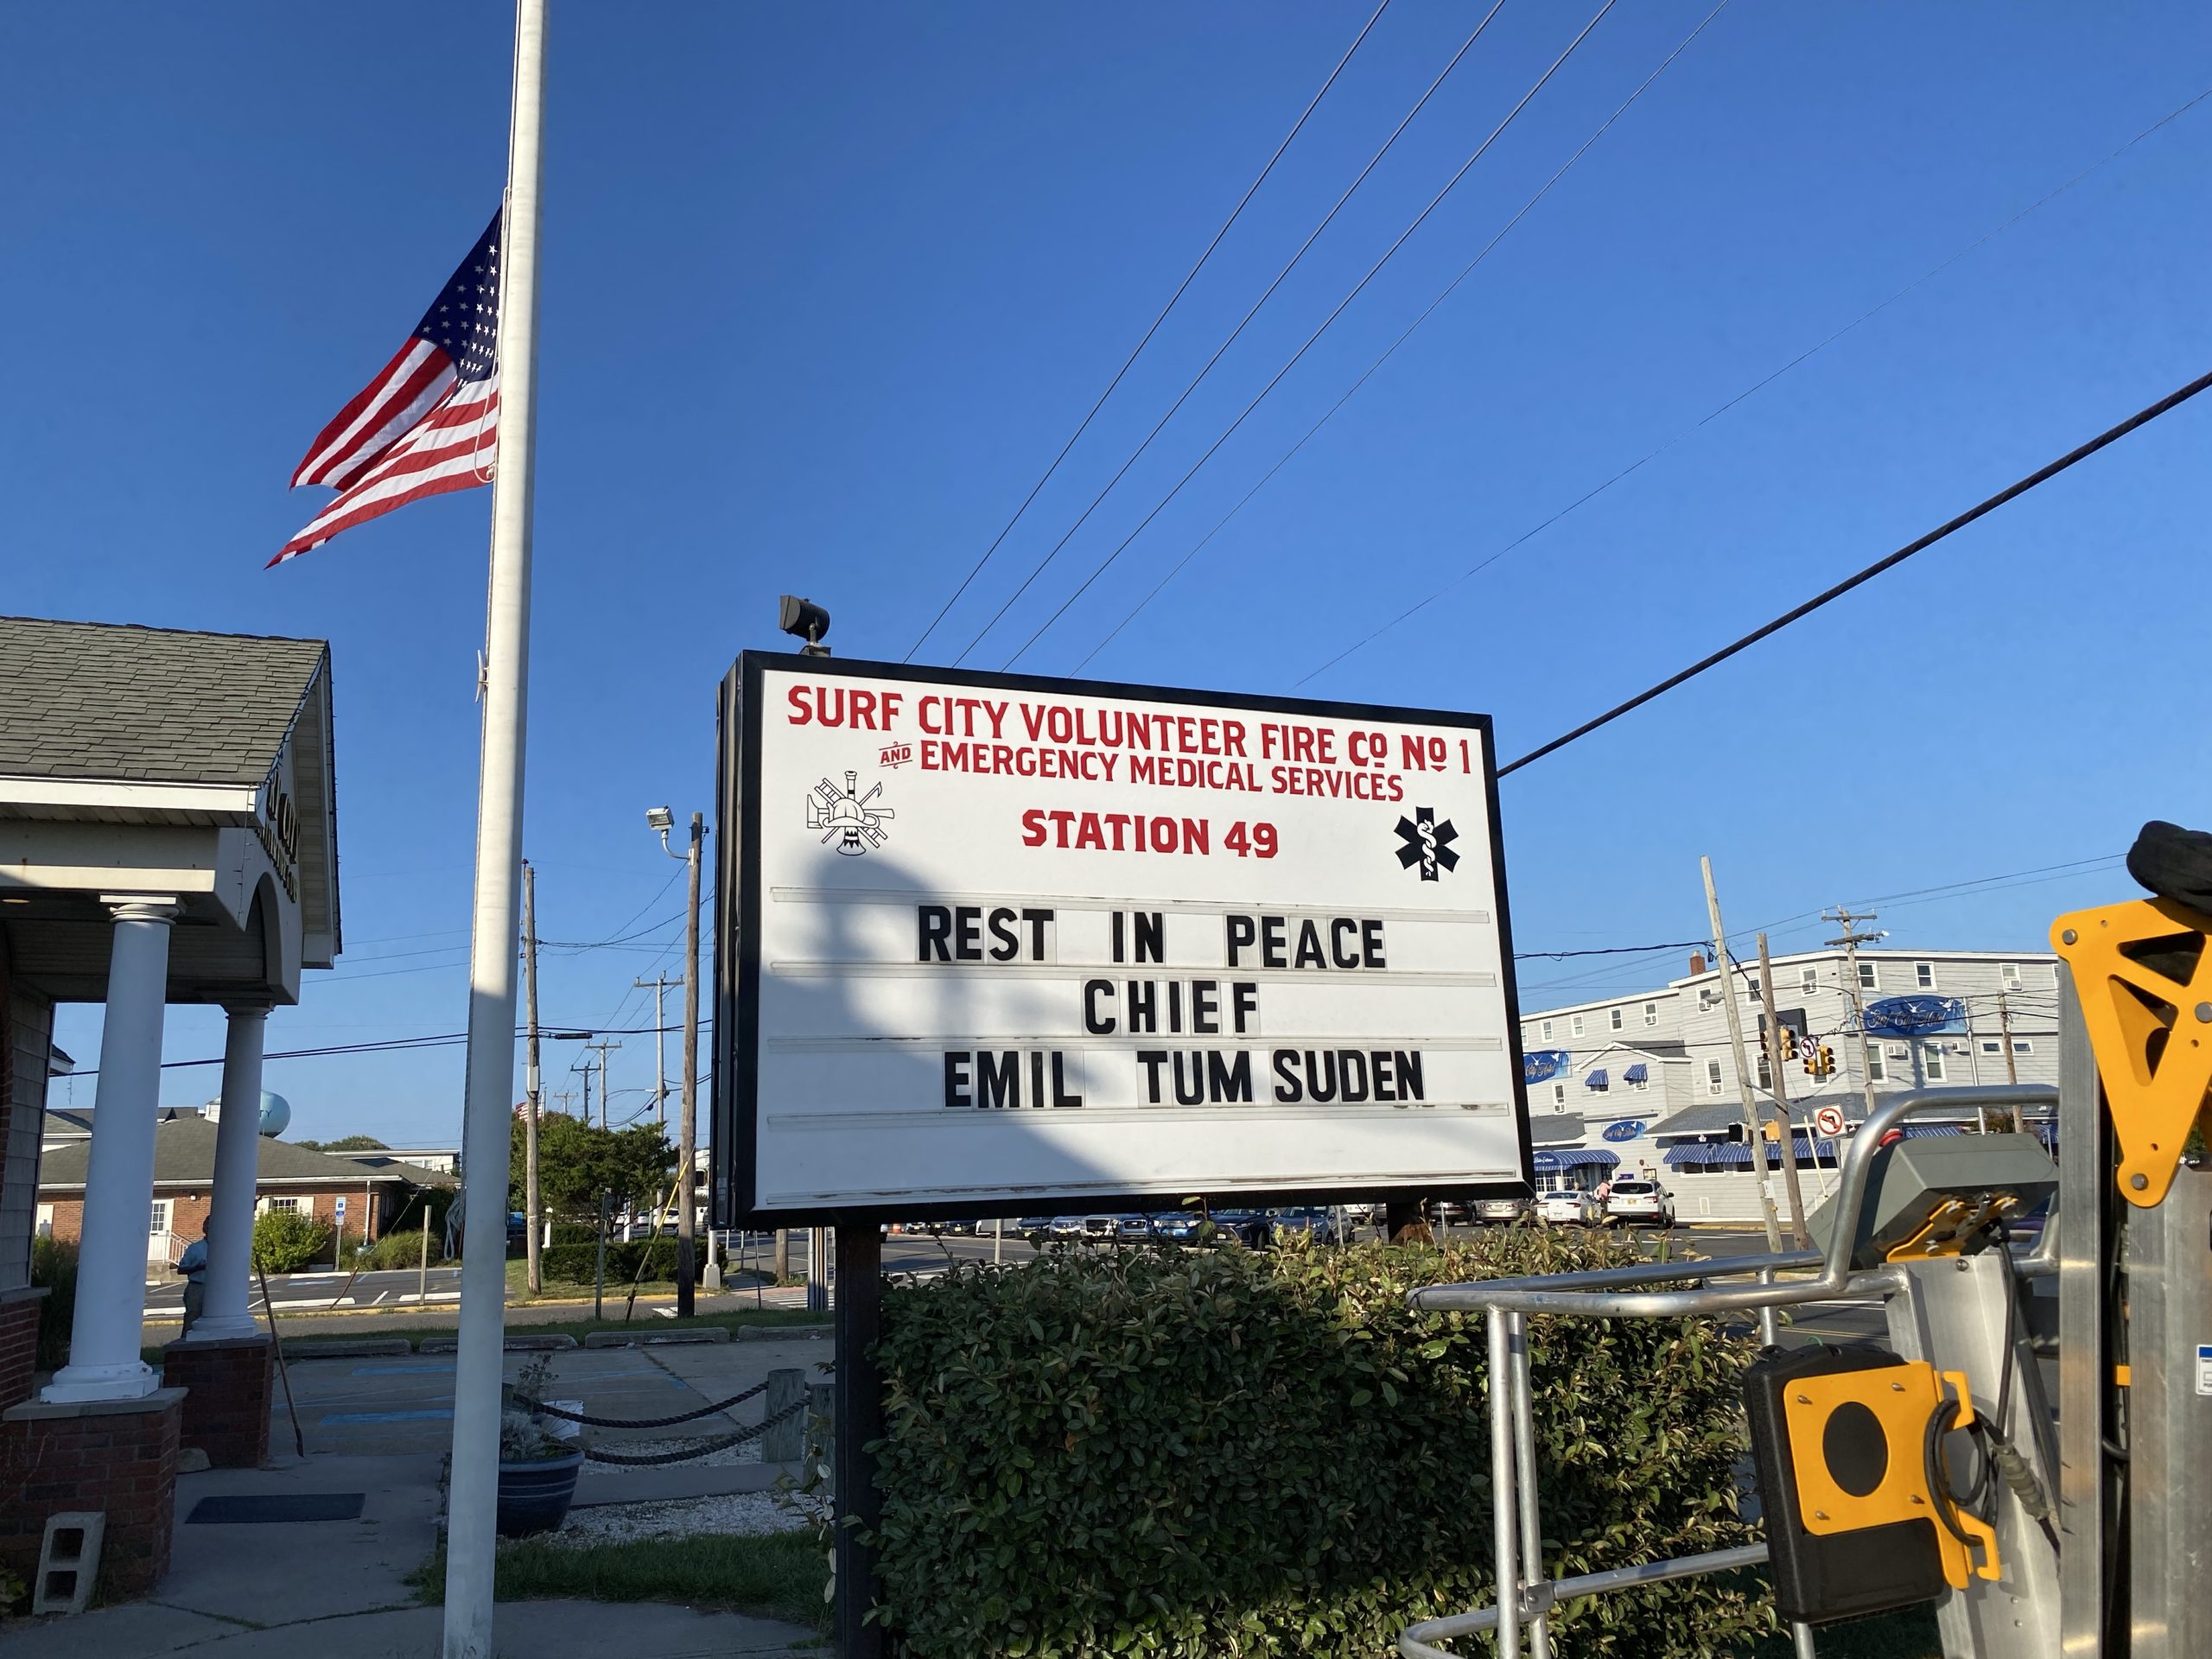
(264, 1591)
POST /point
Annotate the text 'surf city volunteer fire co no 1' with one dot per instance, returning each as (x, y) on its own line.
(997, 938)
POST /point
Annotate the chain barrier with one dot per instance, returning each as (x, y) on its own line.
(703, 1448)
(590, 1421)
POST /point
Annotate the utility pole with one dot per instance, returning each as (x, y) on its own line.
(1743, 1067)
(1774, 1061)
(602, 1046)
(2005, 1019)
(584, 1067)
(660, 982)
(688, 1129)
(1851, 941)
(531, 1080)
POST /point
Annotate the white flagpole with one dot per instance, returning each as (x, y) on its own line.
(473, 1497)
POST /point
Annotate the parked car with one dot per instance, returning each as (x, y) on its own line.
(1249, 1227)
(1640, 1203)
(1570, 1206)
(1176, 1223)
(1133, 1229)
(1316, 1225)
(1066, 1226)
(1035, 1228)
(1500, 1211)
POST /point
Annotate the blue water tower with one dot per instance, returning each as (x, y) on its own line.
(276, 1114)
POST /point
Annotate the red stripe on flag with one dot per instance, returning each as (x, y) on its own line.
(378, 415)
(452, 449)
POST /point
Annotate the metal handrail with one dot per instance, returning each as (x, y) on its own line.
(1555, 1295)
(1609, 1294)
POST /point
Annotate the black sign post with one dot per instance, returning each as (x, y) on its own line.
(859, 1409)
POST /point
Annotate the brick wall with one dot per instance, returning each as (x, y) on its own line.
(117, 1456)
(19, 1311)
(227, 1399)
(188, 1213)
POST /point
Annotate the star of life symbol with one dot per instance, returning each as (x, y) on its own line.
(1426, 843)
(845, 816)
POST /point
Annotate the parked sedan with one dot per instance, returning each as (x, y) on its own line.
(1177, 1224)
(1500, 1211)
(1639, 1203)
(1569, 1206)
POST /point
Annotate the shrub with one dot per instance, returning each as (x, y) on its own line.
(398, 1250)
(53, 1266)
(1210, 1452)
(573, 1263)
(285, 1241)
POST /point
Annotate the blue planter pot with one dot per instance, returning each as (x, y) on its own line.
(534, 1496)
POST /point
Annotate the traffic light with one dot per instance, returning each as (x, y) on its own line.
(1812, 1061)
(1827, 1061)
(1772, 1130)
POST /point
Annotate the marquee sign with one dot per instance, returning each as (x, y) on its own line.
(988, 940)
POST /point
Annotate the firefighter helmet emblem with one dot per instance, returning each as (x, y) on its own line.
(846, 816)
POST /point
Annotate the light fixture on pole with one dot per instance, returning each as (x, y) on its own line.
(660, 819)
(806, 620)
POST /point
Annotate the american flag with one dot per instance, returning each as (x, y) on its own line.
(428, 422)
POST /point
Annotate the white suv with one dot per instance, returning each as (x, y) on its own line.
(1569, 1204)
(1637, 1202)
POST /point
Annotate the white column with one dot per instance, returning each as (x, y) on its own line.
(226, 1311)
(103, 1362)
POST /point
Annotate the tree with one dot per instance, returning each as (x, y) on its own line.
(346, 1143)
(284, 1240)
(577, 1161)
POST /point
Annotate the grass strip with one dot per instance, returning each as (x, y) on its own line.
(775, 1575)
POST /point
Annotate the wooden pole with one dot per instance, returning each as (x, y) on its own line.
(1775, 1070)
(1743, 1064)
(687, 1141)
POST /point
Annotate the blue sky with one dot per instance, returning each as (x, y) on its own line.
(826, 289)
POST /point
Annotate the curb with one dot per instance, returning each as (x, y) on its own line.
(784, 1333)
(514, 1345)
(354, 1348)
(705, 1333)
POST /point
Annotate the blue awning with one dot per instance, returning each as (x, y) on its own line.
(1638, 1073)
(1596, 1079)
(1924, 1131)
(1736, 1154)
(1570, 1157)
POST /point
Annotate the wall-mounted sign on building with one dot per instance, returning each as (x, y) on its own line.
(1542, 1065)
(986, 939)
(1627, 1129)
(1915, 1016)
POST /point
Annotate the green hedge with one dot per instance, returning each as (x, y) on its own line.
(1214, 1452)
(572, 1263)
(284, 1240)
(54, 1267)
(398, 1250)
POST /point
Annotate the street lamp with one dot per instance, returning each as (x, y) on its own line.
(659, 819)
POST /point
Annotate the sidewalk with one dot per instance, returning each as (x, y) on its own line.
(263, 1591)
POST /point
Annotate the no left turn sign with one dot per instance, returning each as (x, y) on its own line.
(1828, 1120)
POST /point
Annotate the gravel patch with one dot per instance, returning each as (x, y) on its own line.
(749, 1513)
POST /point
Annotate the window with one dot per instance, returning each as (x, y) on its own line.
(161, 1216)
(284, 1206)
(1706, 997)
(1712, 1077)
(1615, 1018)
(1931, 1062)
(1924, 975)
(1870, 978)
(2022, 1045)
(1577, 1025)
(1651, 1014)
(2009, 972)
(1808, 979)
(1991, 1046)
(1874, 1067)
(1547, 1031)
(1558, 1097)
(1644, 1082)
(1766, 1071)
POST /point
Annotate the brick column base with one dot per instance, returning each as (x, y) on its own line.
(19, 1312)
(117, 1456)
(226, 1407)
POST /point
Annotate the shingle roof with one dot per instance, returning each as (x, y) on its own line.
(102, 699)
(184, 1156)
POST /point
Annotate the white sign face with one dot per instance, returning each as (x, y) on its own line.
(992, 945)
(1829, 1120)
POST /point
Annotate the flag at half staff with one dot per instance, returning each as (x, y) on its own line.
(428, 422)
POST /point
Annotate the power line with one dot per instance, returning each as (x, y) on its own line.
(1313, 235)
(1105, 564)
(1450, 288)
(1758, 385)
(1126, 362)
(2143, 416)
(1607, 950)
